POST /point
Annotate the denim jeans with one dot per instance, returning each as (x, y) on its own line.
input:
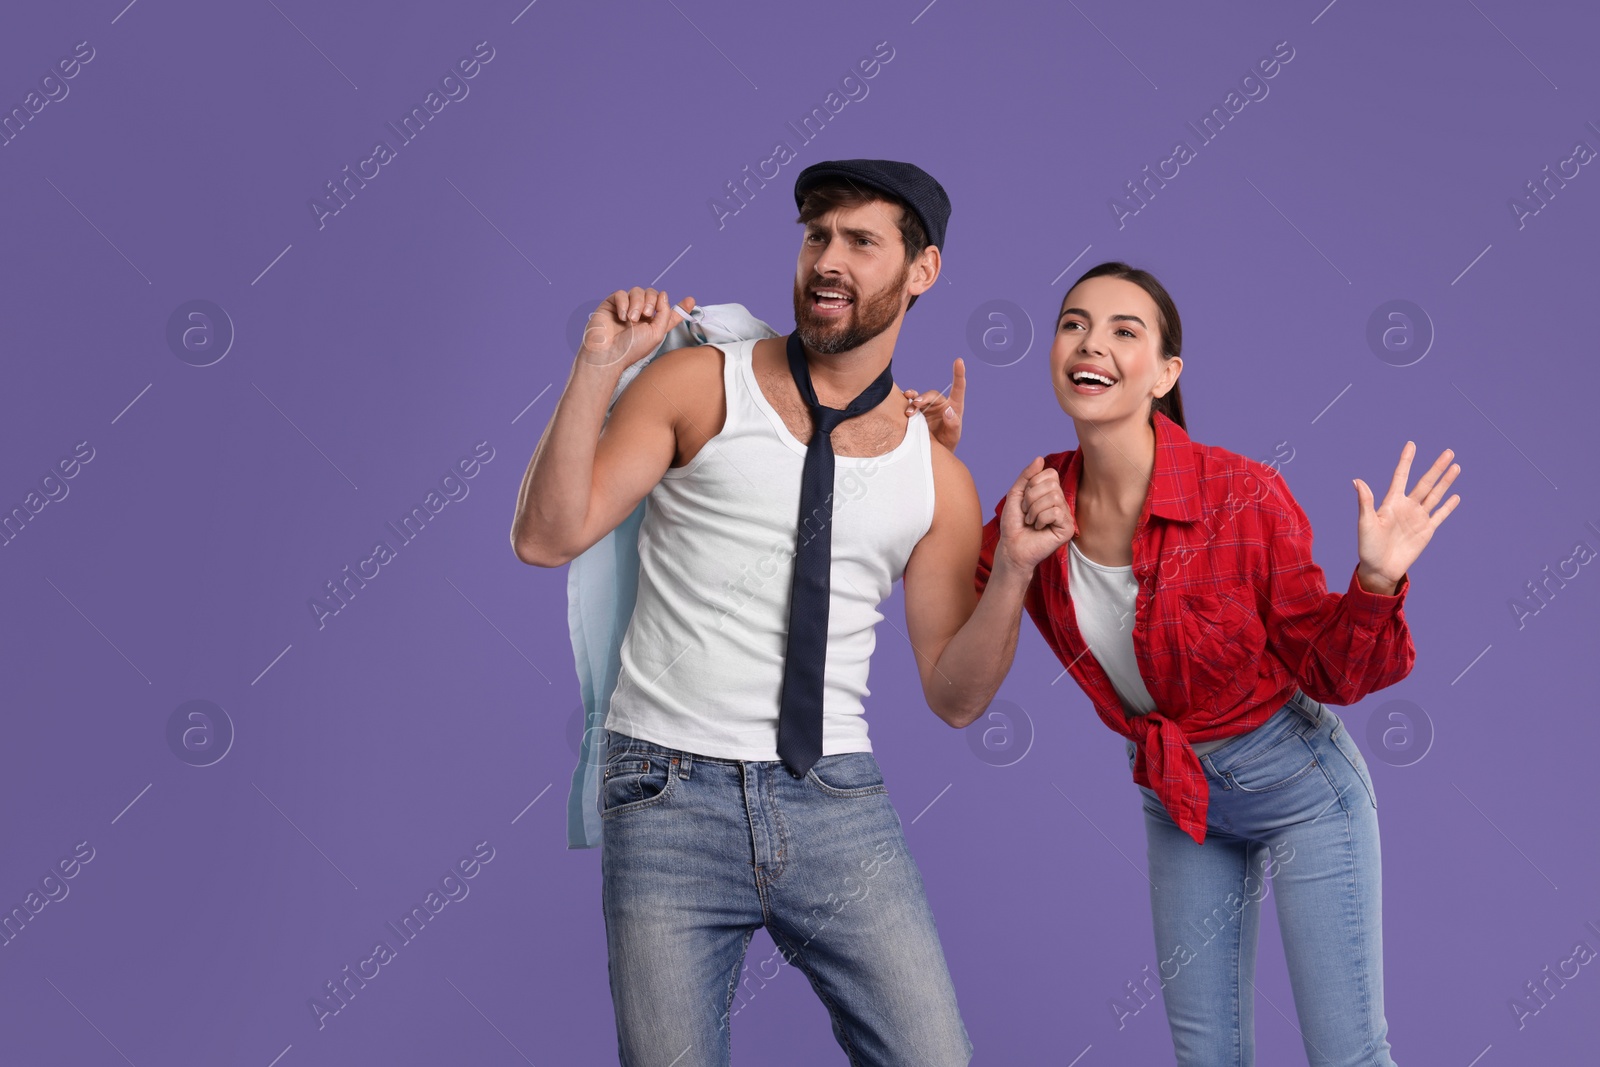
(698, 852)
(1291, 801)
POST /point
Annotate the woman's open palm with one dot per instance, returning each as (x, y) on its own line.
(1392, 536)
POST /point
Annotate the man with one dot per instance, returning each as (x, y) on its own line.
(740, 789)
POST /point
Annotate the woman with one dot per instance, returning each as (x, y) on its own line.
(1175, 582)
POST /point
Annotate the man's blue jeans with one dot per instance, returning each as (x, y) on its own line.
(1291, 801)
(698, 852)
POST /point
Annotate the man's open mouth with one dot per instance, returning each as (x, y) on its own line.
(830, 299)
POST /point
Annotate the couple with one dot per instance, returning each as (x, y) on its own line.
(1173, 579)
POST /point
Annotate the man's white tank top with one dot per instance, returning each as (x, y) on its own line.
(702, 660)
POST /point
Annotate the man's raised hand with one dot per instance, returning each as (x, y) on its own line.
(628, 326)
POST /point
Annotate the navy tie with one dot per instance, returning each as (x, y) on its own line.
(800, 707)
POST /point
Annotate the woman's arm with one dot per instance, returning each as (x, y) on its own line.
(1338, 647)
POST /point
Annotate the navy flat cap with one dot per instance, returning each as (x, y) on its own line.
(904, 180)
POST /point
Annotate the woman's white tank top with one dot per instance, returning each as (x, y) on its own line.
(1103, 600)
(702, 659)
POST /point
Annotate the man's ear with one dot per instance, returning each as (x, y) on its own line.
(924, 271)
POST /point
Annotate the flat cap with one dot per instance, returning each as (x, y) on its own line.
(904, 180)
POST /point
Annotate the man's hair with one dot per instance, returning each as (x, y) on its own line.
(830, 193)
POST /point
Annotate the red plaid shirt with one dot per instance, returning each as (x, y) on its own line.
(1231, 615)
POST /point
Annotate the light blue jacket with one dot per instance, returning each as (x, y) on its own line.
(603, 583)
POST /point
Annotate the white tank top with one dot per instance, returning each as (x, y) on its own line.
(1102, 603)
(702, 659)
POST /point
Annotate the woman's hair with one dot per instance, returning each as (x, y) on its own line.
(829, 193)
(1170, 328)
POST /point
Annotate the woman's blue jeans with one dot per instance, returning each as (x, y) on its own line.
(698, 852)
(1291, 801)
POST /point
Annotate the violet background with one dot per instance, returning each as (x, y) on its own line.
(434, 311)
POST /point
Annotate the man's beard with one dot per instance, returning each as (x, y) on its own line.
(860, 324)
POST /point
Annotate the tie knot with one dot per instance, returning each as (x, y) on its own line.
(827, 418)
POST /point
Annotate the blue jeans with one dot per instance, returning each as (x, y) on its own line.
(698, 852)
(1291, 801)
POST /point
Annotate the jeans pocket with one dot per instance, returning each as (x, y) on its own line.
(1280, 764)
(847, 774)
(635, 780)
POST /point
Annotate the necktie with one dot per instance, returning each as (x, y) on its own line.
(800, 706)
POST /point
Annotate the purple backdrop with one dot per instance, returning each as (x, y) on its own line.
(219, 394)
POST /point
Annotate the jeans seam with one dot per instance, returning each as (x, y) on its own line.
(1359, 937)
(1357, 771)
(840, 1031)
(1238, 977)
(1354, 923)
(1328, 776)
(733, 983)
(778, 862)
(844, 794)
(751, 814)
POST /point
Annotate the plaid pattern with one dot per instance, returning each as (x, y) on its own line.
(1232, 614)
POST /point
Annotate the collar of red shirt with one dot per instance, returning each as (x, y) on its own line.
(1174, 487)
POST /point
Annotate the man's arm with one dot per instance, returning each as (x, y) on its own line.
(964, 645)
(582, 482)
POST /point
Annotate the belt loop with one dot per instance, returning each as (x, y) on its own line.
(685, 762)
(1310, 709)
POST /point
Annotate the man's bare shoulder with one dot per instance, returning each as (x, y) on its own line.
(687, 364)
(946, 465)
(954, 492)
(690, 376)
